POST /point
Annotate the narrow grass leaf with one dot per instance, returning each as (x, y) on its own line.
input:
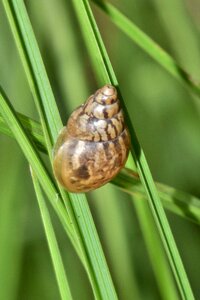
(52, 242)
(99, 57)
(34, 68)
(96, 266)
(32, 128)
(187, 49)
(163, 274)
(149, 46)
(66, 54)
(34, 160)
(176, 201)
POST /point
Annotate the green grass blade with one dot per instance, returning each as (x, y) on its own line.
(186, 50)
(83, 224)
(102, 276)
(149, 46)
(167, 239)
(52, 242)
(105, 73)
(32, 128)
(34, 160)
(144, 172)
(93, 248)
(94, 43)
(66, 54)
(34, 68)
(156, 254)
(116, 230)
(178, 202)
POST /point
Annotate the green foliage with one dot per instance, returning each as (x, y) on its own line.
(138, 267)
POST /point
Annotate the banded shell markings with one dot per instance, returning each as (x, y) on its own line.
(94, 145)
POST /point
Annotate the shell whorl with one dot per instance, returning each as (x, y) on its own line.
(99, 119)
(94, 145)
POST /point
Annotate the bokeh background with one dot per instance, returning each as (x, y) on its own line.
(167, 121)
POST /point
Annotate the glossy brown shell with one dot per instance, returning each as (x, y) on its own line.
(94, 145)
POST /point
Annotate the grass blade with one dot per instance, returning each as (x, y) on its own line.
(52, 242)
(105, 73)
(34, 67)
(76, 205)
(66, 54)
(186, 50)
(101, 273)
(178, 202)
(154, 248)
(32, 128)
(34, 160)
(149, 46)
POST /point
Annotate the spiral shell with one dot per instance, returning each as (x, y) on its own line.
(94, 145)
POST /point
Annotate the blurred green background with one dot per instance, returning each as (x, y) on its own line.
(166, 118)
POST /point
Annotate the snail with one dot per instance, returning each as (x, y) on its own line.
(93, 146)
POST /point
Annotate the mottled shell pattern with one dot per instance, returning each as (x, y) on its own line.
(94, 145)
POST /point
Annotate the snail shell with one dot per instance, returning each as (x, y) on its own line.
(94, 145)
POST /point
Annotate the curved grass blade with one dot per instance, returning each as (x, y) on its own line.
(32, 128)
(165, 282)
(34, 160)
(149, 46)
(106, 292)
(39, 86)
(106, 74)
(66, 55)
(187, 49)
(52, 242)
(178, 202)
(76, 205)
